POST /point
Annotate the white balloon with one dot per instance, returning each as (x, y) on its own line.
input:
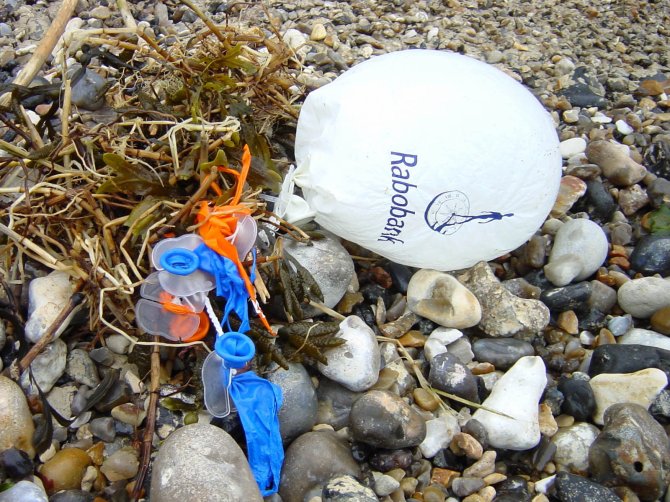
(431, 159)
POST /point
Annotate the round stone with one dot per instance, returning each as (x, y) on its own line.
(660, 321)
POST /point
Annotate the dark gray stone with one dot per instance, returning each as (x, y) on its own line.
(659, 192)
(579, 400)
(652, 254)
(334, 403)
(298, 412)
(628, 359)
(501, 353)
(632, 450)
(572, 488)
(72, 496)
(449, 374)
(513, 489)
(572, 297)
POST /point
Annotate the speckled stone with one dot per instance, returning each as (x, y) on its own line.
(652, 255)
(16, 421)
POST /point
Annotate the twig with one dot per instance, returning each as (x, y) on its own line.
(53, 34)
(327, 310)
(208, 22)
(128, 18)
(148, 435)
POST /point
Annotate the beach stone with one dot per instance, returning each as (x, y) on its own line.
(356, 363)
(449, 374)
(384, 484)
(632, 199)
(318, 32)
(329, 263)
(571, 147)
(483, 467)
(82, 369)
(578, 398)
(597, 202)
(463, 487)
(572, 447)
(570, 191)
(334, 403)
(638, 336)
(643, 296)
(503, 314)
(103, 428)
(65, 470)
(47, 367)
(441, 298)
(89, 91)
(202, 462)
(118, 344)
(346, 488)
(307, 466)
(652, 254)
(74, 495)
(438, 341)
(439, 433)
(462, 349)
(47, 296)
(384, 420)
(573, 488)
(617, 166)
(517, 394)
(660, 320)
(16, 421)
(24, 491)
(15, 463)
(502, 353)
(122, 464)
(298, 412)
(640, 387)
(659, 192)
(572, 297)
(623, 358)
(632, 450)
(620, 325)
(580, 248)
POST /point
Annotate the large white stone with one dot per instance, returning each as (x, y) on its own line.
(354, 364)
(516, 394)
(47, 296)
(572, 447)
(640, 387)
(644, 296)
(638, 336)
(442, 299)
(16, 421)
(24, 491)
(580, 248)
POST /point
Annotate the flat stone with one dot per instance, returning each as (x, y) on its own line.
(622, 358)
(572, 488)
(516, 394)
(571, 147)
(643, 296)
(449, 374)
(47, 367)
(346, 488)
(438, 341)
(566, 298)
(502, 353)
(572, 447)
(47, 296)
(632, 450)
(441, 298)
(638, 336)
(617, 166)
(24, 491)
(503, 314)
(439, 433)
(16, 421)
(640, 388)
(202, 462)
(82, 369)
(652, 254)
(298, 412)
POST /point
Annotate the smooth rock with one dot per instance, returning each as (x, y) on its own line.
(82, 369)
(311, 461)
(659, 192)
(638, 336)
(298, 412)
(620, 325)
(513, 489)
(465, 486)
(502, 353)
(482, 467)
(118, 344)
(202, 462)
(572, 297)
(384, 484)
(335, 402)
(571, 147)
(345, 488)
(622, 358)
(503, 314)
(652, 255)
(580, 248)
(441, 298)
(103, 428)
(122, 464)
(438, 341)
(65, 470)
(16, 421)
(24, 491)
(578, 398)
(449, 374)
(632, 450)
(74, 495)
(439, 433)
(643, 296)
(597, 202)
(640, 387)
(516, 394)
(617, 166)
(660, 320)
(318, 32)
(572, 488)
(47, 368)
(572, 447)
(47, 296)
(329, 263)
(356, 363)
(384, 420)
(15, 463)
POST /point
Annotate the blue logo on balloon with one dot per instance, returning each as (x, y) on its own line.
(450, 210)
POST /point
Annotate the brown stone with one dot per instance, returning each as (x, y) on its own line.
(443, 476)
(568, 322)
(65, 470)
(425, 399)
(465, 444)
(570, 190)
(660, 321)
(650, 87)
(413, 338)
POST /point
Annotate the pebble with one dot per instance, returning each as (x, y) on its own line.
(103, 428)
(632, 199)
(652, 255)
(572, 488)
(502, 353)
(318, 32)
(441, 298)
(356, 363)
(598, 201)
(571, 147)
(514, 489)
(638, 336)
(640, 387)
(65, 470)
(449, 374)
(81, 368)
(47, 367)
(384, 484)
(89, 91)
(346, 488)
(617, 166)
(15, 463)
(329, 263)
(306, 467)
(118, 344)
(425, 399)
(47, 296)
(16, 421)
(439, 433)
(334, 403)
(122, 464)
(128, 413)
(660, 320)
(482, 467)
(298, 412)
(572, 447)
(620, 325)
(579, 400)
(632, 450)
(567, 298)
(644, 296)
(438, 341)
(503, 314)
(24, 491)
(463, 486)
(202, 462)
(76, 495)
(580, 248)
(384, 420)
(516, 394)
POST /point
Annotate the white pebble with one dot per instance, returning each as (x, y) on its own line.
(572, 146)
(623, 127)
